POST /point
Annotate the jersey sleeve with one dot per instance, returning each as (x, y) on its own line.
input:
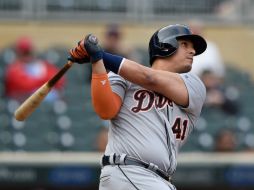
(118, 84)
(197, 93)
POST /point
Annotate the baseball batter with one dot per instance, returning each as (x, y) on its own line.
(152, 111)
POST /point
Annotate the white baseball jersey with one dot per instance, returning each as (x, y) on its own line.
(151, 127)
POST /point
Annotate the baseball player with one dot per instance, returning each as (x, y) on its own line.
(152, 111)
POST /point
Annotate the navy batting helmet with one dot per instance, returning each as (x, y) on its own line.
(164, 43)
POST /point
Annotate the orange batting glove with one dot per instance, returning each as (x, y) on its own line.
(87, 50)
(79, 53)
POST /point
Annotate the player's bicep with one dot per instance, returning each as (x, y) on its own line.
(172, 86)
(166, 83)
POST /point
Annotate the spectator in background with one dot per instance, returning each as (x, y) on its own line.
(210, 67)
(113, 41)
(209, 60)
(225, 141)
(230, 9)
(216, 94)
(102, 137)
(27, 73)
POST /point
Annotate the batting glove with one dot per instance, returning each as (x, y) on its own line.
(79, 54)
(87, 50)
(93, 48)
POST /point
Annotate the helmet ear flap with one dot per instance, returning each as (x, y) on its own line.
(171, 44)
(159, 48)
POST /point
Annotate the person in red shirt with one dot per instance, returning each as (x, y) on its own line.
(27, 73)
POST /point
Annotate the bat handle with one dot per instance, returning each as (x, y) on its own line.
(54, 80)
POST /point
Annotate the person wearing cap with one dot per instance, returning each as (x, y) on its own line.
(27, 73)
(113, 41)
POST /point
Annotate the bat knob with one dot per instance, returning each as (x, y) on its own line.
(93, 39)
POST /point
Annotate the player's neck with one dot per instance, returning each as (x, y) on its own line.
(161, 64)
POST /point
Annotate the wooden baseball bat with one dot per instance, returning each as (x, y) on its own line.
(33, 101)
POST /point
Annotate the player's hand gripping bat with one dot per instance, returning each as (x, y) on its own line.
(33, 101)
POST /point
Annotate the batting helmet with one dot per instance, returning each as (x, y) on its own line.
(164, 43)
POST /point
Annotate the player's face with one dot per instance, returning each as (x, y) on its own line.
(183, 57)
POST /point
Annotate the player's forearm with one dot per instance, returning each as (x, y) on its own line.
(132, 71)
(98, 67)
(106, 103)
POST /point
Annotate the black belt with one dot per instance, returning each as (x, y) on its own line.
(127, 160)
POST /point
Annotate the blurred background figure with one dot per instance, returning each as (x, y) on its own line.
(229, 9)
(101, 139)
(225, 141)
(211, 59)
(27, 73)
(211, 69)
(216, 94)
(113, 41)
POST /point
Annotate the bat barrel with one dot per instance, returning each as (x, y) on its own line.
(31, 103)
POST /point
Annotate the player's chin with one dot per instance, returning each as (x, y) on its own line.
(187, 68)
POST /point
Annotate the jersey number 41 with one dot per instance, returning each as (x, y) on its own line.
(179, 128)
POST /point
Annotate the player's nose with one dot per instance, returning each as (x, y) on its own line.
(192, 50)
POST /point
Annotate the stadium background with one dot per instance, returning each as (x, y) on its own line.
(46, 153)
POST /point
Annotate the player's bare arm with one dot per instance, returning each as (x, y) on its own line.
(99, 68)
(166, 83)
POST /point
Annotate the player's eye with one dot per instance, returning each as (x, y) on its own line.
(184, 44)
